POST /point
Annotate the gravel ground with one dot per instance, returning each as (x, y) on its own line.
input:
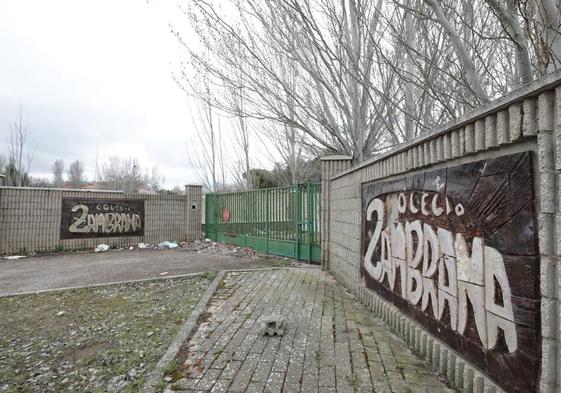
(101, 339)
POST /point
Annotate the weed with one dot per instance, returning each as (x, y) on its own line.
(318, 356)
(170, 367)
(161, 386)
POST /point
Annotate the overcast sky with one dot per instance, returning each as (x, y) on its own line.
(95, 72)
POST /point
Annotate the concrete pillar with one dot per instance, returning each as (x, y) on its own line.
(330, 165)
(193, 212)
(546, 123)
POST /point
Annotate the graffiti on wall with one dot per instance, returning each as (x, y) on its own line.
(101, 218)
(456, 250)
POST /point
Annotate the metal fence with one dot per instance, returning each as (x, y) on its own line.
(282, 221)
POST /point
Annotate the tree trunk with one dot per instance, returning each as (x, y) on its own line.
(467, 65)
(409, 87)
(549, 18)
(509, 20)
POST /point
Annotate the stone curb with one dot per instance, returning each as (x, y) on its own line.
(60, 289)
(259, 269)
(154, 378)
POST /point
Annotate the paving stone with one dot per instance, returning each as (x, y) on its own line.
(220, 386)
(255, 387)
(208, 380)
(291, 388)
(344, 386)
(382, 386)
(274, 383)
(184, 384)
(331, 342)
(310, 381)
(262, 371)
(361, 377)
(231, 369)
(327, 377)
(398, 383)
(244, 374)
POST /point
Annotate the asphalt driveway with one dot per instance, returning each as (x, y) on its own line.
(83, 269)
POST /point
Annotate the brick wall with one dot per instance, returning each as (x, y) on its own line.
(525, 120)
(30, 218)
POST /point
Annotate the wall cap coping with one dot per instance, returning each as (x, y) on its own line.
(529, 90)
(336, 158)
(58, 189)
(193, 185)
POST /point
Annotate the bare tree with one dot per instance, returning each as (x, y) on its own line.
(122, 174)
(97, 173)
(287, 147)
(128, 175)
(542, 24)
(177, 190)
(507, 14)
(206, 154)
(242, 138)
(40, 182)
(76, 174)
(358, 76)
(466, 62)
(330, 101)
(58, 170)
(153, 179)
(19, 156)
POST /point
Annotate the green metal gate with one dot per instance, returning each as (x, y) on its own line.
(281, 221)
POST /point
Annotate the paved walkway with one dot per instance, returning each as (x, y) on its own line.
(83, 268)
(332, 344)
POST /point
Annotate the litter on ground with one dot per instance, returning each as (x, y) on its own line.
(15, 257)
(101, 248)
(167, 244)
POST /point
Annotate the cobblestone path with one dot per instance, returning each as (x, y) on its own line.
(332, 343)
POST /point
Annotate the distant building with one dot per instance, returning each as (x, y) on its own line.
(143, 190)
(87, 186)
(91, 186)
(2, 179)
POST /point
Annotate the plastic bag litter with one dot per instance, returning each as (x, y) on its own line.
(142, 245)
(15, 257)
(167, 244)
(101, 248)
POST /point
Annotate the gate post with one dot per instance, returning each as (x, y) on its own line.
(330, 165)
(267, 218)
(193, 212)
